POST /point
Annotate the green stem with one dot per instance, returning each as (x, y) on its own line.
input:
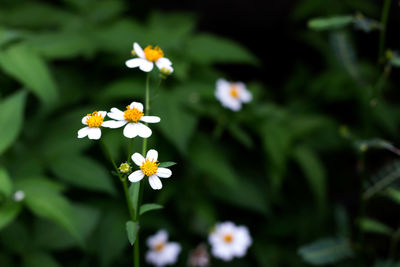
(130, 147)
(128, 199)
(384, 19)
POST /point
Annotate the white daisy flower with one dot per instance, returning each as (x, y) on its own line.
(93, 121)
(161, 251)
(149, 167)
(232, 95)
(131, 117)
(148, 57)
(228, 241)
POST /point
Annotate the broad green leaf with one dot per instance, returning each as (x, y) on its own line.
(148, 207)
(326, 251)
(131, 230)
(11, 118)
(6, 186)
(8, 212)
(331, 23)
(208, 49)
(25, 65)
(7, 35)
(83, 172)
(374, 226)
(314, 172)
(166, 164)
(40, 259)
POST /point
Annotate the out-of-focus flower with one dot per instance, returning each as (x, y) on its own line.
(232, 95)
(19, 196)
(161, 251)
(132, 118)
(93, 121)
(147, 58)
(199, 257)
(228, 241)
(149, 167)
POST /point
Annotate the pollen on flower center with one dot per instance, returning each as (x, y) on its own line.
(234, 91)
(159, 247)
(228, 238)
(153, 54)
(94, 119)
(132, 115)
(149, 167)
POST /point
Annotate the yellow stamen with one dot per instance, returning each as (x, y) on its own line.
(149, 167)
(234, 91)
(159, 247)
(94, 119)
(153, 54)
(132, 114)
(228, 238)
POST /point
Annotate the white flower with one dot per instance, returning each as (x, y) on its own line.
(93, 122)
(149, 167)
(161, 252)
(131, 117)
(19, 196)
(228, 241)
(232, 95)
(147, 58)
(199, 257)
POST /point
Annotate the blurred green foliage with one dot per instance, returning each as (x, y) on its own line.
(285, 168)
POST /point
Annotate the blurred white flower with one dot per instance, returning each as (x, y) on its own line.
(19, 196)
(199, 257)
(149, 167)
(93, 121)
(232, 95)
(131, 117)
(161, 251)
(228, 241)
(147, 58)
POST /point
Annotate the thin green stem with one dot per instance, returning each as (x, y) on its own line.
(382, 37)
(130, 147)
(128, 200)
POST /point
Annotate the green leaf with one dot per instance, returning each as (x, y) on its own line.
(131, 230)
(6, 186)
(208, 49)
(83, 172)
(241, 135)
(8, 212)
(374, 226)
(11, 118)
(148, 207)
(134, 190)
(166, 164)
(331, 23)
(25, 65)
(326, 251)
(393, 194)
(40, 259)
(314, 172)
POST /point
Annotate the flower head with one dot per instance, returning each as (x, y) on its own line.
(228, 241)
(132, 118)
(161, 251)
(124, 168)
(93, 121)
(146, 58)
(149, 167)
(232, 95)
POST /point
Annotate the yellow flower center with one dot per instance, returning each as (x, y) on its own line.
(153, 54)
(132, 115)
(234, 91)
(149, 167)
(94, 119)
(228, 238)
(159, 247)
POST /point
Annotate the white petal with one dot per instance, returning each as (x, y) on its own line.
(135, 62)
(131, 130)
(84, 119)
(83, 132)
(102, 113)
(142, 130)
(138, 50)
(136, 105)
(94, 133)
(164, 172)
(136, 176)
(150, 119)
(138, 159)
(152, 155)
(146, 65)
(163, 63)
(155, 182)
(116, 114)
(113, 124)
